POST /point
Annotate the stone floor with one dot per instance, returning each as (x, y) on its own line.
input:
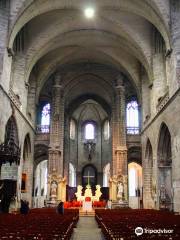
(87, 229)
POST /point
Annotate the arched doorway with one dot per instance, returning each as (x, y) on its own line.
(89, 176)
(26, 180)
(40, 184)
(135, 184)
(165, 168)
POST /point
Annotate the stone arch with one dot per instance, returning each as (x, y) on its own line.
(164, 146)
(135, 184)
(134, 155)
(27, 147)
(141, 9)
(164, 159)
(75, 103)
(27, 169)
(40, 183)
(40, 153)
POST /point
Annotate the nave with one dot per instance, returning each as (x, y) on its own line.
(107, 224)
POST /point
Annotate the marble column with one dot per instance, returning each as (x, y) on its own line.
(56, 182)
(119, 149)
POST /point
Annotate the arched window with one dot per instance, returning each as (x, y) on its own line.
(89, 131)
(40, 184)
(72, 129)
(132, 117)
(106, 175)
(45, 118)
(106, 130)
(72, 175)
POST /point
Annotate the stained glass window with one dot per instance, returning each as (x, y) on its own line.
(89, 131)
(45, 118)
(106, 130)
(72, 129)
(132, 118)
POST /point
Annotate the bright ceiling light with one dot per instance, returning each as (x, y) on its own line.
(89, 12)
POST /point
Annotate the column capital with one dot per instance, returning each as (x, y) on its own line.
(121, 149)
(120, 80)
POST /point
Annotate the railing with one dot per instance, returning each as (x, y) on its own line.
(132, 130)
(46, 129)
(42, 129)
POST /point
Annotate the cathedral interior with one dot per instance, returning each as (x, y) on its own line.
(91, 91)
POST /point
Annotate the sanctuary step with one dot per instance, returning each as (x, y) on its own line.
(86, 213)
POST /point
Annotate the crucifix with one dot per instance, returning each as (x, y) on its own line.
(90, 147)
(88, 177)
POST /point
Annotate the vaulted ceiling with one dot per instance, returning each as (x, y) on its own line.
(119, 36)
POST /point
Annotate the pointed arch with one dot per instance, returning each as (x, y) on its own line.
(149, 152)
(164, 146)
(164, 157)
(27, 147)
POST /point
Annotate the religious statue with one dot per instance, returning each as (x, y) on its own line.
(79, 193)
(120, 190)
(54, 189)
(88, 191)
(98, 192)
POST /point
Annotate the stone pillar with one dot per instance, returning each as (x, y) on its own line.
(159, 86)
(119, 149)
(145, 92)
(148, 184)
(4, 23)
(175, 33)
(55, 164)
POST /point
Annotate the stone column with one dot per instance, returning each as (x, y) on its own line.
(175, 33)
(4, 23)
(148, 184)
(55, 164)
(119, 149)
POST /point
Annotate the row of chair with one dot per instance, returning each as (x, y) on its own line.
(120, 224)
(41, 224)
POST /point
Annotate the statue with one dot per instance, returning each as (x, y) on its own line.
(120, 191)
(79, 193)
(54, 189)
(98, 192)
(88, 191)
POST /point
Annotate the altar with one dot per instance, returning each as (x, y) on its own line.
(88, 198)
(87, 206)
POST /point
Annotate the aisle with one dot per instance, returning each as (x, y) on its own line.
(87, 229)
